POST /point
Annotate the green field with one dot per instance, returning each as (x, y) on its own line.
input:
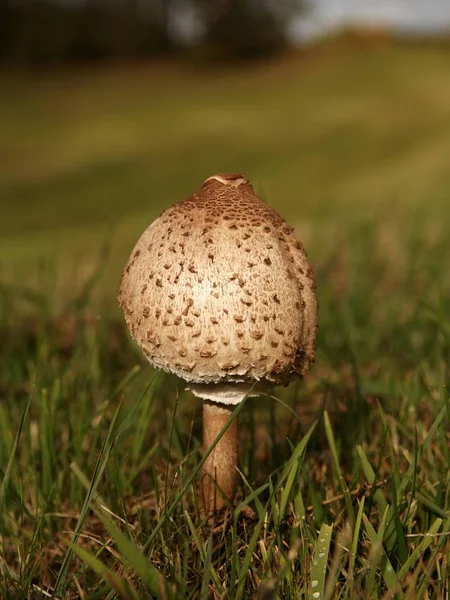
(353, 148)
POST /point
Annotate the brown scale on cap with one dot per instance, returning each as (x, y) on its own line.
(239, 264)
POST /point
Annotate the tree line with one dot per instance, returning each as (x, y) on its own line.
(52, 31)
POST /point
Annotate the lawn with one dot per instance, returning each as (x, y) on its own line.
(344, 485)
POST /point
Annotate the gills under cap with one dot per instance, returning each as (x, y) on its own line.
(219, 291)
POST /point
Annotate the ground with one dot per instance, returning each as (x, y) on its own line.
(99, 455)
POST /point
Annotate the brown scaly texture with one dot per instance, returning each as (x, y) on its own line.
(218, 290)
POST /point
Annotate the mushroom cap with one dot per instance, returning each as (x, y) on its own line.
(218, 291)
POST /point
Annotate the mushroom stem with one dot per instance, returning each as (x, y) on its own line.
(219, 469)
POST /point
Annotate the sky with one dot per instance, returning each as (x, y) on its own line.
(406, 15)
(328, 15)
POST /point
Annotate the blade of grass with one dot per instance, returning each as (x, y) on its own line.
(355, 540)
(437, 510)
(11, 458)
(378, 556)
(334, 455)
(96, 477)
(295, 457)
(253, 496)
(204, 592)
(369, 473)
(243, 571)
(320, 563)
(401, 549)
(437, 550)
(425, 444)
(203, 554)
(418, 552)
(121, 586)
(148, 573)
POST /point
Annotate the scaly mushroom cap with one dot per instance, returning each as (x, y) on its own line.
(218, 291)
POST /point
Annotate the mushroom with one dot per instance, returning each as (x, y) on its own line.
(219, 292)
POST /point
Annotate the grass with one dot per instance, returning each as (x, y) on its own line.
(334, 134)
(344, 487)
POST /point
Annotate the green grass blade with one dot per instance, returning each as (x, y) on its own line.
(90, 496)
(286, 493)
(294, 458)
(203, 554)
(337, 468)
(245, 566)
(11, 458)
(148, 573)
(320, 563)
(355, 540)
(424, 445)
(437, 510)
(120, 586)
(428, 538)
(378, 496)
(378, 557)
(252, 497)
(204, 591)
(400, 541)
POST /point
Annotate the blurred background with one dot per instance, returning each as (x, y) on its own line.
(111, 110)
(338, 112)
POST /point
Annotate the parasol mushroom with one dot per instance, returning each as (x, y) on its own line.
(219, 292)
